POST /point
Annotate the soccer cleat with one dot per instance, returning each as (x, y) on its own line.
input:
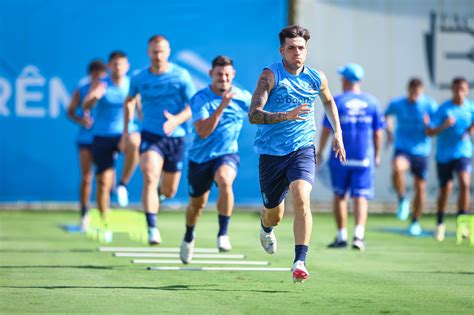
(223, 243)
(268, 241)
(154, 237)
(186, 251)
(358, 244)
(84, 224)
(414, 229)
(338, 244)
(108, 236)
(300, 274)
(122, 196)
(440, 232)
(403, 209)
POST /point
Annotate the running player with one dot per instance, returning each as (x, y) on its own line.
(412, 148)
(362, 124)
(108, 97)
(218, 112)
(283, 107)
(165, 90)
(96, 70)
(453, 124)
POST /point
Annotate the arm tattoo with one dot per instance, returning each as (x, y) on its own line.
(256, 113)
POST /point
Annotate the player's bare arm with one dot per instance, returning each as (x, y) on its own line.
(325, 132)
(85, 120)
(128, 111)
(207, 126)
(257, 115)
(330, 109)
(378, 140)
(173, 121)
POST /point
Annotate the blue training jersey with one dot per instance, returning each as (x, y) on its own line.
(360, 117)
(85, 135)
(289, 92)
(454, 142)
(410, 136)
(109, 110)
(170, 91)
(223, 140)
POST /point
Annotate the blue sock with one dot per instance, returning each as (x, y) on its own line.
(151, 220)
(84, 210)
(122, 184)
(401, 198)
(223, 224)
(266, 229)
(300, 252)
(440, 216)
(189, 236)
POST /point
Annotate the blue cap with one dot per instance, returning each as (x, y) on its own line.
(352, 72)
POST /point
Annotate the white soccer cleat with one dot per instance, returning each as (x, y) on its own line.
(122, 196)
(223, 243)
(154, 237)
(300, 274)
(84, 224)
(268, 241)
(440, 232)
(186, 251)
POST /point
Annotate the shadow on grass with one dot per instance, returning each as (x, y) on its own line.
(163, 288)
(58, 266)
(470, 273)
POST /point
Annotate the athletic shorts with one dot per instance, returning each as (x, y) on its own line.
(446, 170)
(277, 172)
(358, 180)
(171, 149)
(418, 163)
(201, 175)
(104, 152)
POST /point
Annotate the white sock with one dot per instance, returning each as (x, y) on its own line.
(342, 234)
(359, 231)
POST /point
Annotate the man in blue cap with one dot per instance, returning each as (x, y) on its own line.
(362, 124)
(412, 148)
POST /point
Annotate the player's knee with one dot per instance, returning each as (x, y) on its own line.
(149, 179)
(168, 192)
(87, 178)
(223, 182)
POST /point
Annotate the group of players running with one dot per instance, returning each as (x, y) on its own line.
(282, 107)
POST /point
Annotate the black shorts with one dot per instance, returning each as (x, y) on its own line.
(104, 152)
(201, 175)
(171, 149)
(277, 172)
(446, 170)
(418, 163)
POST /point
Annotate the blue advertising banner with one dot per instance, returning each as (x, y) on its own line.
(46, 45)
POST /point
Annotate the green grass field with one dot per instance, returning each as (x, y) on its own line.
(44, 269)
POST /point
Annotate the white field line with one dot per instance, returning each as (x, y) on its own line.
(154, 249)
(218, 268)
(173, 255)
(202, 262)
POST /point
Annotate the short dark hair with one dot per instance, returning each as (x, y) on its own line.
(117, 54)
(157, 38)
(293, 31)
(458, 80)
(222, 61)
(96, 65)
(415, 83)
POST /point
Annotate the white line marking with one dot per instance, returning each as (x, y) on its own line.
(202, 262)
(154, 249)
(218, 269)
(175, 255)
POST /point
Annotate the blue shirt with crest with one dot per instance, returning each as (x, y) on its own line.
(170, 91)
(223, 140)
(410, 135)
(454, 142)
(289, 92)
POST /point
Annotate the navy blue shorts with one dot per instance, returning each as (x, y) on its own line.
(418, 163)
(446, 170)
(201, 175)
(277, 172)
(171, 149)
(104, 152)
(359, 180)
